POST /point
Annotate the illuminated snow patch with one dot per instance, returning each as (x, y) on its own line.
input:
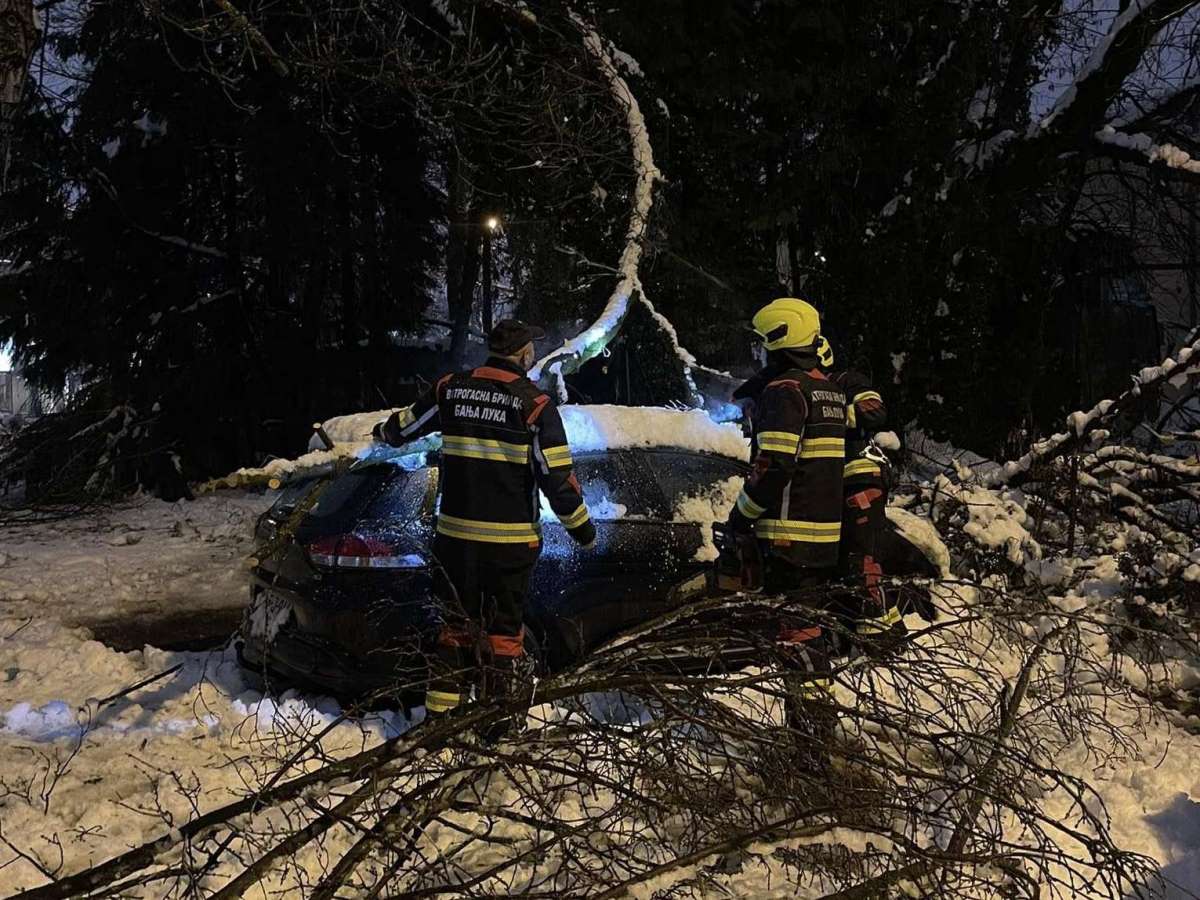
(603, 427)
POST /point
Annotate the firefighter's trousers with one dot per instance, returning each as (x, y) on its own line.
(483, 587)
(863, 518)
(805, 651)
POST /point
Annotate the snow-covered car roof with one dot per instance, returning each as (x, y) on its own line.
(589, 428)
(596, 427)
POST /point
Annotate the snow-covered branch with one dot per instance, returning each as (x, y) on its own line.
(584, 346)
(1162, 105)
(1081, 109)
(1112, 61)
(1142, 144)
(1182, 367)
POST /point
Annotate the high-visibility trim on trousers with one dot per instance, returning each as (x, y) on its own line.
(798, 531)
(441, 701)
(861, 467)
(814, 688)
(880, 623)
(488, 532)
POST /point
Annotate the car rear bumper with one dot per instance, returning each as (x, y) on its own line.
(294, 658)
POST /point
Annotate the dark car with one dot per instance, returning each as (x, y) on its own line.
(344, 601)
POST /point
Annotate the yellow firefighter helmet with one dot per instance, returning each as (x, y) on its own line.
(787, 324)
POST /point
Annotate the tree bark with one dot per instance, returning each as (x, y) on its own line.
(462, 255)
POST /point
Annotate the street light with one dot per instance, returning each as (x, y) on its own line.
(492, 225)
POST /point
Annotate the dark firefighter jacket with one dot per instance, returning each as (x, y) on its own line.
(794, 491)
(502, 441)
(865, 415)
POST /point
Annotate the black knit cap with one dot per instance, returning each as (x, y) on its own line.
(510, 335)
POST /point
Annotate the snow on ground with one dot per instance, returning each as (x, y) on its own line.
(129, 767)
(203, 732)
(135, 761)
(145, 559)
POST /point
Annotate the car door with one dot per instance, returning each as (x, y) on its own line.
(646, 543)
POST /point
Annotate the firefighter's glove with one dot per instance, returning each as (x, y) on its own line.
(585, 535)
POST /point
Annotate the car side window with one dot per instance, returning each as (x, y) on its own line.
(684, 478)
(616, 487)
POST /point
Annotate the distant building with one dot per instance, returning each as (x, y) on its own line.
(17, 398)
(1136, 288)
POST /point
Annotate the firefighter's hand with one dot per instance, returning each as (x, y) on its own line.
(585, 535)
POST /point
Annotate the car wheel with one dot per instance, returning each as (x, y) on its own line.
(253, 674)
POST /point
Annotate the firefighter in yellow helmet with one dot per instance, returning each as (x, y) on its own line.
(792, 500)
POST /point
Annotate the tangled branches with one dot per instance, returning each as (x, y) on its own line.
(953, 766)
(67, 462)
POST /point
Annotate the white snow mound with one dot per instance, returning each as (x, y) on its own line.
(625, 427)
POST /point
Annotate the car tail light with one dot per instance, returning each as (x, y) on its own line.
(353, 551)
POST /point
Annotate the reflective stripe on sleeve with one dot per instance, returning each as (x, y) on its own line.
(484, 448)
(748, 507)
(575, 519)
(823, 448)
(487, 532)
(557, 457)
(861, 467)
(779, 442)
(867, 395)
(797, 531)
(408, 422)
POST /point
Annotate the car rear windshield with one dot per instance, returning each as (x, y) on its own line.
(381, 491)
(616, 486)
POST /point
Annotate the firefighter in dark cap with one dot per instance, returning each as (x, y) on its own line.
(502, 442)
